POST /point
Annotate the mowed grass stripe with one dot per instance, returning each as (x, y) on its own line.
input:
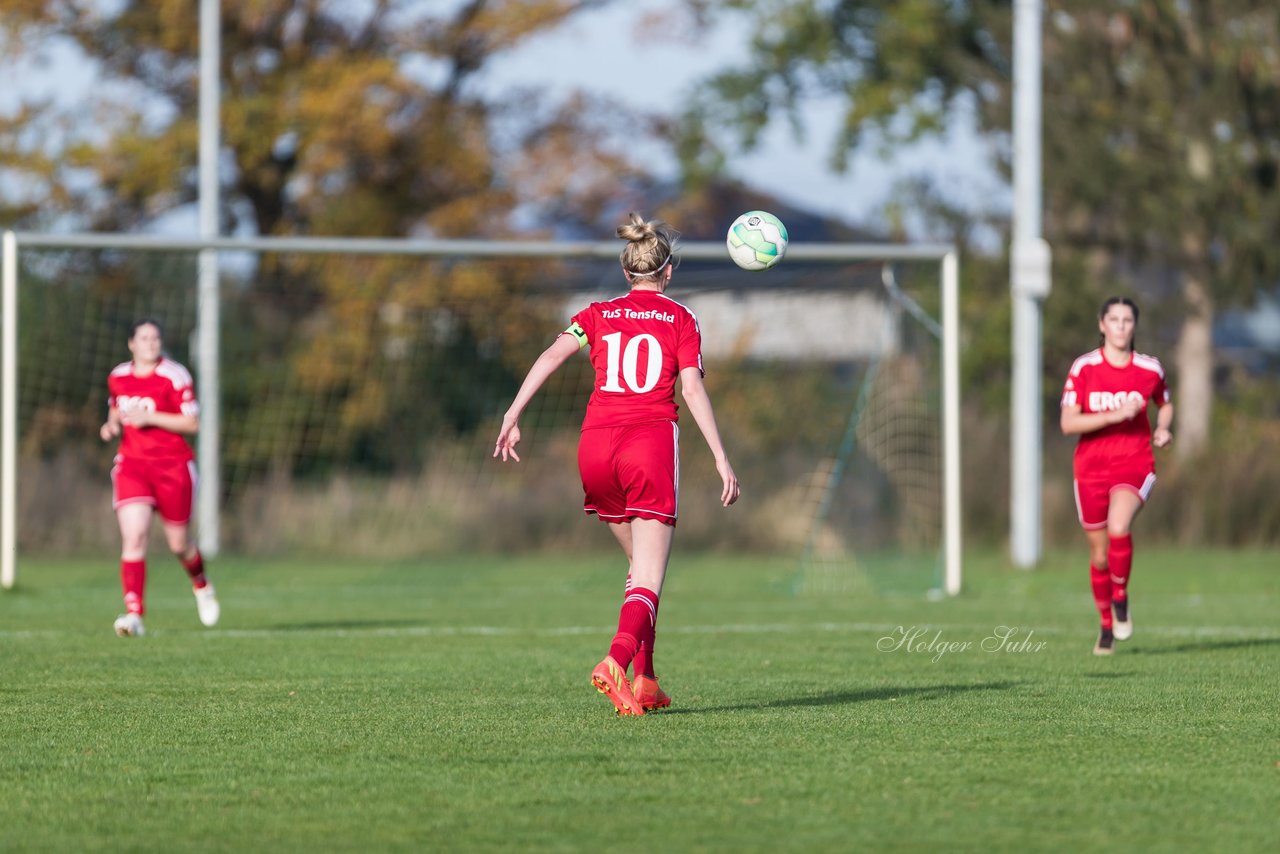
(726, 629)
(345, 707)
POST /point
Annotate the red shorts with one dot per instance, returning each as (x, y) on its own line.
(167, 485)
(1093, 492)
(631, 472)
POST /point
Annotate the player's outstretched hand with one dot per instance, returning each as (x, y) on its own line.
(730, 489)
(1162, 437)
(109, 431)
(508, 438)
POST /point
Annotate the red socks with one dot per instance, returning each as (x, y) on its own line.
(195, 569)
(133, 578)
(1112, 583)
(643, 663)
(635, 624)
(1120, 556)
(1101, 580)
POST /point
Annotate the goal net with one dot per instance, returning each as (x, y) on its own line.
(360, 393)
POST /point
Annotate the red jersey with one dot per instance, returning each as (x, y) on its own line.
(166, 389)
(639, 344)
(1095, 385)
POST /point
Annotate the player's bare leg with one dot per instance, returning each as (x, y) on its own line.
(651, 549)
(622, 532)
(1124, 507)
(178, 536)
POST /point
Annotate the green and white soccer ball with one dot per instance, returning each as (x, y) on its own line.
(757, 240)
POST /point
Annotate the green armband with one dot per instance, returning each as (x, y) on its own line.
(578, 335)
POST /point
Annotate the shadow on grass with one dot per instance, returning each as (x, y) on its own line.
(1207, 646)
(838, 698)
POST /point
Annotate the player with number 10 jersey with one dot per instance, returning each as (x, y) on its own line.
(629, 450)
(629, 453)
(639, 344)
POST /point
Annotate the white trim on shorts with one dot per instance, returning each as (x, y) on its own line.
(142, 499)
(1143, 491)
(195, 482)
(594, 512)
(675, 444)
(675, 477)
(647, 510)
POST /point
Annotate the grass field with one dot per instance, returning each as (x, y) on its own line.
(446, 706)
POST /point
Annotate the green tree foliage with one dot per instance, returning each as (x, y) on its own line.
(1164, 117)
(897, 66)
(1161, 129)
(337, 119)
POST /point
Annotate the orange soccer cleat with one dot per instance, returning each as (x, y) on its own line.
(648, 694)
(611, 680)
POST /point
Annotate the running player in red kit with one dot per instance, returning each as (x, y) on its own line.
(1105, 400)
(628, 454)
(152, 406)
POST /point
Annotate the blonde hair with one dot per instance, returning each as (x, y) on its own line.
(649, 246)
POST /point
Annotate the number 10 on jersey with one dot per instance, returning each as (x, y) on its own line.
(625, 360)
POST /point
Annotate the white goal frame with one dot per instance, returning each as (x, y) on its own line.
(206, 360)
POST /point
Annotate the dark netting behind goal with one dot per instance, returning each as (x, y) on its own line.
(361, 395)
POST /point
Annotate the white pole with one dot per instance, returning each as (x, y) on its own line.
(9, 415)
(951, 421)
(1029, 284)
(699, 250)
(208, 321)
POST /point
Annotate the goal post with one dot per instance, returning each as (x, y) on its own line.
(14, 244)
(9, 410)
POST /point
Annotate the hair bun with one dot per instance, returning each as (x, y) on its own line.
(636, 228)
(649, 246)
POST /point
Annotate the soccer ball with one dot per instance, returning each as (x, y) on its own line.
(757, 240)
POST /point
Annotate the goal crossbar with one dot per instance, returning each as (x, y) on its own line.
(12, 241)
